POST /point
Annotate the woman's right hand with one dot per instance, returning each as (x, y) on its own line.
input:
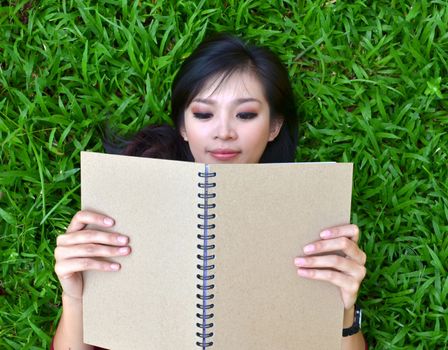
(78, 249)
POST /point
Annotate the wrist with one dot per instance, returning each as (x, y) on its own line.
(68, 300)
(349, 316)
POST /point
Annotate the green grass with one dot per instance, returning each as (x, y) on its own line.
(371, 81)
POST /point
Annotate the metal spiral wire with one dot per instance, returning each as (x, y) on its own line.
(205, 265)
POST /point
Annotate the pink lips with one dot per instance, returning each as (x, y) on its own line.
(224, 154)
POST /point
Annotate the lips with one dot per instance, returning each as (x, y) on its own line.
(224, 153)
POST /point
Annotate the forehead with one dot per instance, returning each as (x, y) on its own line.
(235, 85)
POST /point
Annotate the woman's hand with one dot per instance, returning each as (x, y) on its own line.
(78, 249)
(346, 272)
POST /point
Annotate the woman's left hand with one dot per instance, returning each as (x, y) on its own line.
(346, 272)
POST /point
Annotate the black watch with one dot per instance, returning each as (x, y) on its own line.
(356, 326)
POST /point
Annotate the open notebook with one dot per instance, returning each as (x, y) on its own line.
(213, 249)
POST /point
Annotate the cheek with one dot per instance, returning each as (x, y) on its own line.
(257, 134)
(254, 144)
(195, 135)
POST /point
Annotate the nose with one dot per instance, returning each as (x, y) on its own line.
(225, 128)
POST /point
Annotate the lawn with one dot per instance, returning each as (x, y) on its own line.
(371, 83)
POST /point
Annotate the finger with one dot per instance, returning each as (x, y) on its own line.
(350, 231)
(343, 244)
(85, 217)
(92, 236)
(334, 262)
(66, 268)
(89, 250)
(345, 282)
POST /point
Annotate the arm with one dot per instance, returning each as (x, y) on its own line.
(75, 252)
(346, 272)
(69, 333)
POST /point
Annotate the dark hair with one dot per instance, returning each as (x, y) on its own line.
(220, 56)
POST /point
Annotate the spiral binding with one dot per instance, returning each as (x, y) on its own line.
(206, 258)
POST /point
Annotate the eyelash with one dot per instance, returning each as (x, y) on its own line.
(247, 115)
(243, 116)
(202, 115)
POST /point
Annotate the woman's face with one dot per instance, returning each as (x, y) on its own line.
(229, 123)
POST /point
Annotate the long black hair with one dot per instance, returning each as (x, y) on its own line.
(220, 56)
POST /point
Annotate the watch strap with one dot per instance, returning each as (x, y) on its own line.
(356, 326)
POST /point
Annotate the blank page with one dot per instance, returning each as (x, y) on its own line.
(265, 215)
(151, 302)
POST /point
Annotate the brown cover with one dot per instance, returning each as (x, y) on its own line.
(265, 214)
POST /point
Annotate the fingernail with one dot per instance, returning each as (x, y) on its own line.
(122, 239)
(114, 266)
(325, 234)
(308, 248)
(124, 250)
(108, 221)
(299, 261)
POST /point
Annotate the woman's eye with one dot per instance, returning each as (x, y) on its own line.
(203, 115)
(247, 115)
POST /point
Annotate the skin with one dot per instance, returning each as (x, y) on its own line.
(226, 123)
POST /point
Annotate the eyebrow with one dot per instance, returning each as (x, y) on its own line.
(238, 101)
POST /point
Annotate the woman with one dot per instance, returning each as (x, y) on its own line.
(231, 103)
